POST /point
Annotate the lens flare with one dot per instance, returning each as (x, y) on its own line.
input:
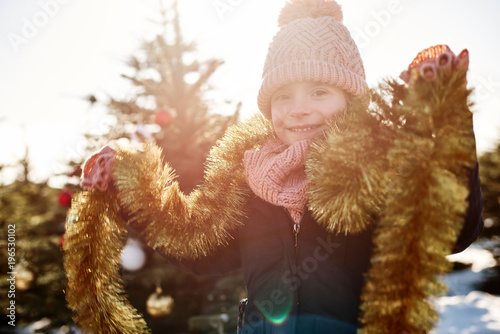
(276, 310)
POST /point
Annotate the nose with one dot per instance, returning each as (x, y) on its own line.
(299, 107)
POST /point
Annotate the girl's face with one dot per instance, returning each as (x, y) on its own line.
(300, 110)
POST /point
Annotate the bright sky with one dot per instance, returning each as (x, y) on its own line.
(56, 52)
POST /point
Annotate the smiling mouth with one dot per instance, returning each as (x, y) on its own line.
(304, 129)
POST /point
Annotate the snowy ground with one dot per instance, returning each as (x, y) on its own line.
(464, 310)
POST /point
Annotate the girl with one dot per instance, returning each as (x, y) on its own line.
(301, 200)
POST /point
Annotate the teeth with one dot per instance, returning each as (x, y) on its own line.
(302, 129)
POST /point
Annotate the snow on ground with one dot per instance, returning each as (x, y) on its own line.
(477, 312)
(464, 310)
(477, 255)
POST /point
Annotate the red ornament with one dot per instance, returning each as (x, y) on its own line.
(163, 118)
(61, 241)
(65, 198)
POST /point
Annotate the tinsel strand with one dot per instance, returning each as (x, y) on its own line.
(429, 162)
(189, 226)
(93, 243)
(346, 171)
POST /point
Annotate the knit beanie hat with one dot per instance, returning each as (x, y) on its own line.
(311, 45)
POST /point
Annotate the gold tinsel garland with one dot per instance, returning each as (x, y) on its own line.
(410, 173)
(410, 177)
(346, 172)
(429, 166)
(189, 226)
(93, 243)
(172, 223)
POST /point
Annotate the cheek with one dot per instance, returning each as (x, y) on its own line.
(332, 113)
(277, 126)
(334, 107)
(277, 117)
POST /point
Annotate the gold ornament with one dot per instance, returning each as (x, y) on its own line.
(25, 277)
(159, 305)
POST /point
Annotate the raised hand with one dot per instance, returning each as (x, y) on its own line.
(98, 170)
(429, 62)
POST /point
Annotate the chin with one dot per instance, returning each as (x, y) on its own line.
(310, 136)
(297, 139)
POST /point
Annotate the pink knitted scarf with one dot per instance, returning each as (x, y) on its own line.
(276, 174)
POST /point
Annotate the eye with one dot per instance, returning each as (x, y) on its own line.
(319, 92)
(280, 97)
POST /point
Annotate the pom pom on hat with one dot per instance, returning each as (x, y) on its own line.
(299, 9)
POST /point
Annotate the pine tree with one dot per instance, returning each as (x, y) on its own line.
(35, 221)
(489, 169)
(489, 172)
(169, 92)
(167, 105)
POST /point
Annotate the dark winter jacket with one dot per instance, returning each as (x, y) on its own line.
(310, 281)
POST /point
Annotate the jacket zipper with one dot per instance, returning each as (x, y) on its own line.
(296, 229)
